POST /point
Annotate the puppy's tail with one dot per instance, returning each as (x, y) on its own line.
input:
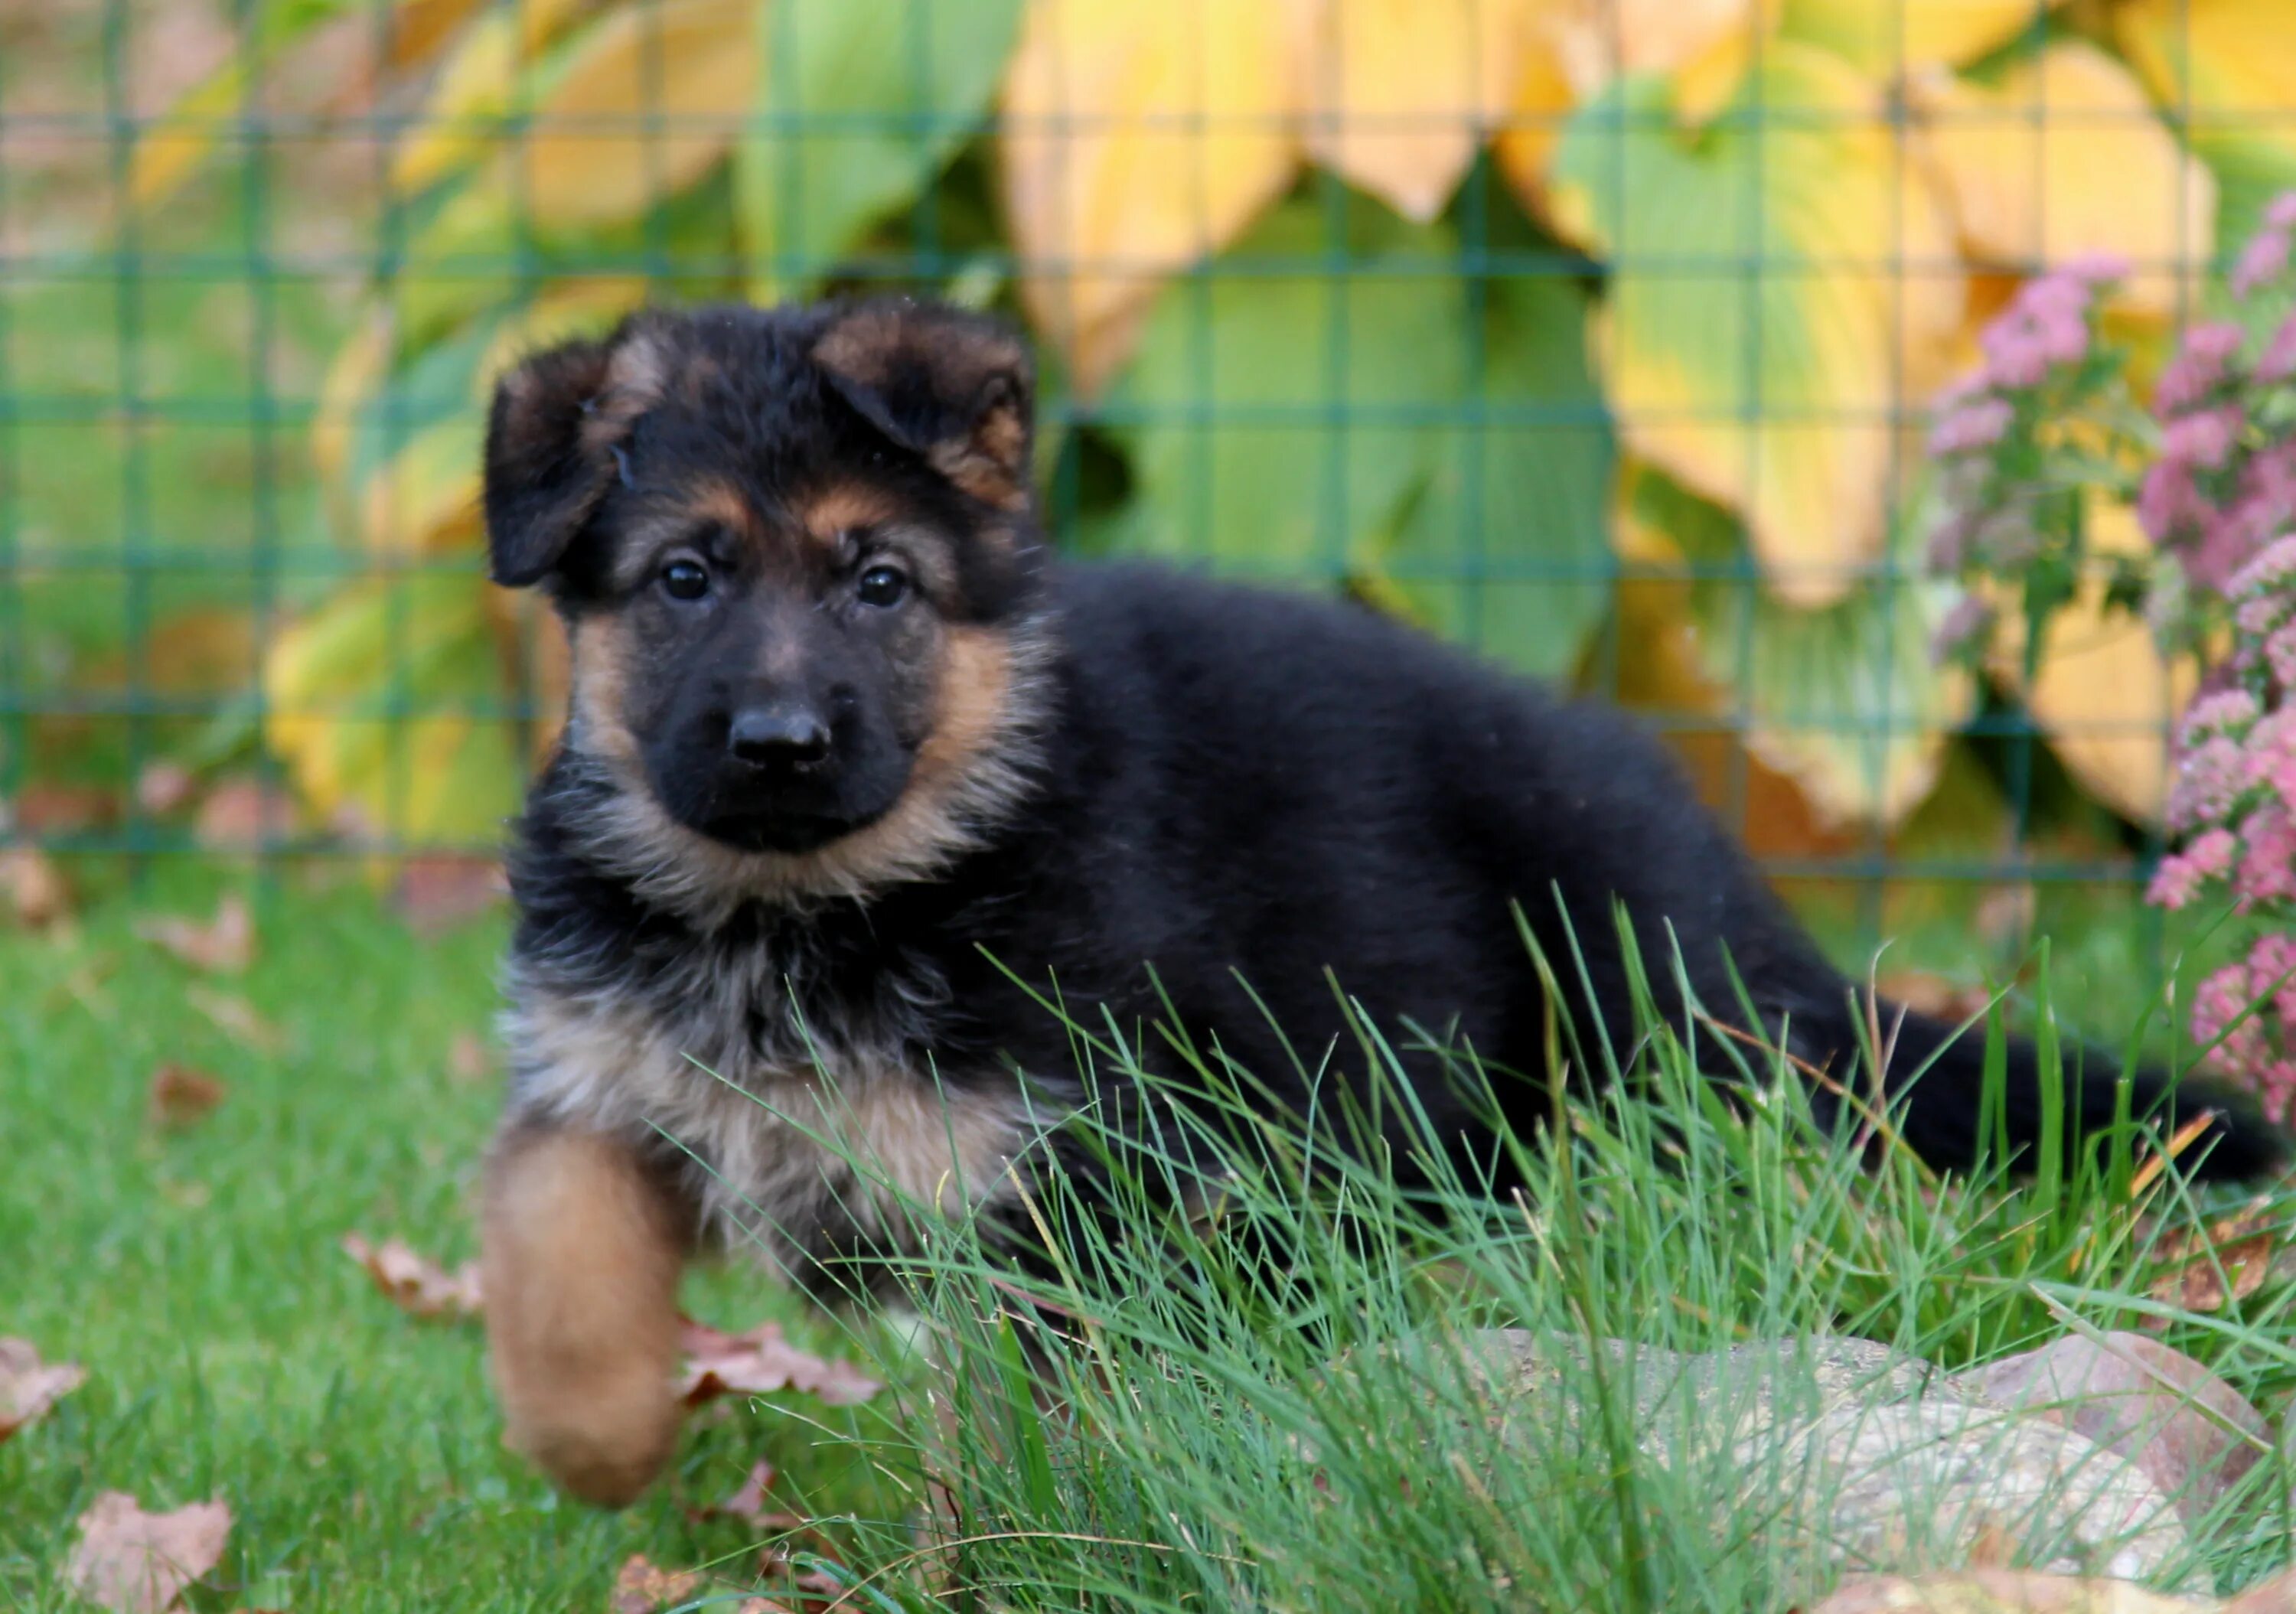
(1937, 1084)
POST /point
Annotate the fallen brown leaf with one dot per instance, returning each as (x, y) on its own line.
(163, 787)
(180, 1096)
(415, 1284)
(134, 1563)
(748, 1505)
(235, 1017)
(241, 815)
(760, 1362)
(467, 1058)
(55, 809)
(29, 1387)
(436, 894)
(2207, 1270)
(642, 1587)
(36, 890)
(223, 946)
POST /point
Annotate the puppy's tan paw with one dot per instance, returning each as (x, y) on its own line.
(582, 1249)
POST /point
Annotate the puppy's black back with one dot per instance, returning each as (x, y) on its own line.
(1268, 800)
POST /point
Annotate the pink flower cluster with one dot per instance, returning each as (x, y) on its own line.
(2214, 485)
(2039, 369)
(2245, 1012)
(2234, 807)
(2224, 483)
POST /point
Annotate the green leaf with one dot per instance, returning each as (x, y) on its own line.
(852, 116)
(1287, 406)
(1508, 546)
(1845, 699)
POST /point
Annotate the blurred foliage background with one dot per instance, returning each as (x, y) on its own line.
(1599, 334)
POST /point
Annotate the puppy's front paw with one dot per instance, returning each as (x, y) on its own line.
(582, 1249)
(604, 1443)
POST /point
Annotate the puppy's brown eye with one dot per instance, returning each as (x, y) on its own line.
(881, 585)
(685, 580)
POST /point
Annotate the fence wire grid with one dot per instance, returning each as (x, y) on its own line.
(1332, 293)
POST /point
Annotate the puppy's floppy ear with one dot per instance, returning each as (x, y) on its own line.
(954, 387)
(552, 434)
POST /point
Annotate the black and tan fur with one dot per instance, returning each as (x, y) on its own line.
(813, 840)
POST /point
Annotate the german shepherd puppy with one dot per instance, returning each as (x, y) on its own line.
(854, 769)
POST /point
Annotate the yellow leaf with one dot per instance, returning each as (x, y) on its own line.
(1845, 700)
(425, 500)
(374, 703)
(1705, 84)
(1600, 39)
(1759, 354)
(1137, 138)
(2064, 157)
(491, 75)
(357, 369)
(2228, 66)
(1398, 92)
(421, 27)
(1538, 104)
(648, 101)
(1890, 37)
(582, 307)
(2105, 696)
(174, 143)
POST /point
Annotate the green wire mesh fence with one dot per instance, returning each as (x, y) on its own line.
(1598, 334)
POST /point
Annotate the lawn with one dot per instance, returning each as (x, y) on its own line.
(233, 1350)
(1195, 1454)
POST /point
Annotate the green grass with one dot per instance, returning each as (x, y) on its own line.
(232, 1349)
(1194, 1451)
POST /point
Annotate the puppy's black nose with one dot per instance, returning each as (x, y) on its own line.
(782, 734)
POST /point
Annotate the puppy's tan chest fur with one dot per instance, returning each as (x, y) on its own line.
(787, 1152)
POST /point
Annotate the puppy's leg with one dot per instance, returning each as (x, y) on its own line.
(582, 1250)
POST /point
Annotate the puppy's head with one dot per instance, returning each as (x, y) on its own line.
(795, 554)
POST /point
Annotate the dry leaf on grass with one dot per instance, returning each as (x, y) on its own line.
(414, 1284)
(241, 815)
(134, 1563)
(59, 809)
(29, 1387)
(236, 1018)
(163, 787)
(436, 894)
(36, 890)
(760, 1362)
(180, 1096)
(223, 946)
(2203, 1271)
(750, 1506)
(467, 1058)
(643, 1588)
